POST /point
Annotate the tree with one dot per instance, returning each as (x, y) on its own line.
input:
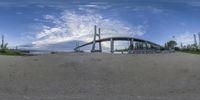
(3, 45)
(171, 44)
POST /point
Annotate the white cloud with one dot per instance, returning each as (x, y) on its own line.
(73, 26)
(183, 24)
(151, 9)
(49, 31)
(95, 6)
(19, 13)
(154, 9)
(49, 17)
(195, 4)
(136, 9)
(92, 7)
(186, 38)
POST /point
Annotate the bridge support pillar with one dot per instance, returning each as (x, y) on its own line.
(131, 43)
(100, 48)
(111, 45)
(146, 45)
(94, 40)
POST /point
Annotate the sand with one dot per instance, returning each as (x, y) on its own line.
(85, 76)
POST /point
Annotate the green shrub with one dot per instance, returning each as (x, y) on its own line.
(9, 52)
(193, 51)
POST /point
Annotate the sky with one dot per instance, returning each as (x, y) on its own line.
(59, 24)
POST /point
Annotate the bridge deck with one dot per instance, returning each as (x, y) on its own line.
(118, 39)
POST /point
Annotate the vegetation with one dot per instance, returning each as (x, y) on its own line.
(192, 51)
(10, 52)
(5, 51)
(171, 44)
(192, 48)
(130, 47)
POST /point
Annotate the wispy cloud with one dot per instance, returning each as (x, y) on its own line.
(194, 3)
(183, 24)
(38, 3)
(73, 26)
(94, 6)
(186, 38)
(152, 9)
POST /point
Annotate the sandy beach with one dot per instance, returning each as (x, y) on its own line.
(95, 76)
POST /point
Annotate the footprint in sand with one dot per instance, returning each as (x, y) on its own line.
(69, 65)
(96, 59)
(35, 59)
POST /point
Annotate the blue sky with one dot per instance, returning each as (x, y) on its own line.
(57, 24)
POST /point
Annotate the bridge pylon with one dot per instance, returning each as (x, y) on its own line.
(94, 40)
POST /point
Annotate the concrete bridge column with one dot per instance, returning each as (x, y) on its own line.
(94, 40)
(131, 46)
(111, 45)
(146, 45)
(131, 42)
(151, 46)
(100, 48)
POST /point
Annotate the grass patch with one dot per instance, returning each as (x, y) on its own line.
(191, 51)
(10, 52)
